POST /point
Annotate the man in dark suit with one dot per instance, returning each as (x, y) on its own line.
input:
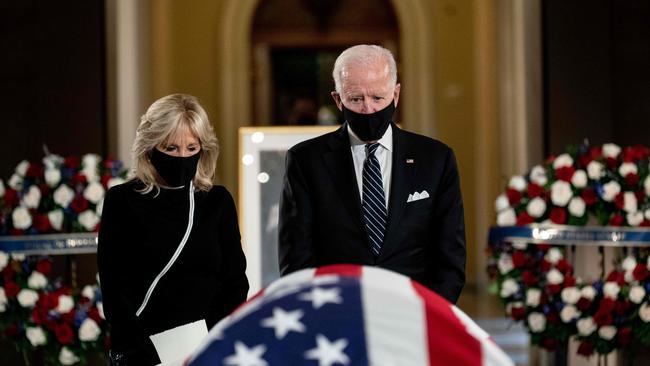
(371, 193)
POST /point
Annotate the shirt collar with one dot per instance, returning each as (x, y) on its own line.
(386, 140)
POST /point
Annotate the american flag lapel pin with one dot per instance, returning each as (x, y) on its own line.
(410, 161)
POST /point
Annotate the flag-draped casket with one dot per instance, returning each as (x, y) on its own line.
(347, 315)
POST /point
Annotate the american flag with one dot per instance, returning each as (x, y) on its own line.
(347, 315)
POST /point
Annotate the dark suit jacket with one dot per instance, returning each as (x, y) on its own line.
(321, 220)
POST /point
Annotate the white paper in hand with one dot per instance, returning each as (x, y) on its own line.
(176, 344)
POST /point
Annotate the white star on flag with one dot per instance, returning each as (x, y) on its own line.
(328, 353)
(320, 296)
(284, 321)
(245, 356)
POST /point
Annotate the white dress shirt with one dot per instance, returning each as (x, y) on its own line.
(384, 154)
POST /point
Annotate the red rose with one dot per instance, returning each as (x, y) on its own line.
(640, 272)
(611, 163)
(44, 266)
(616, 220)
(585, 349)
(624, 336)
(64, 333)
(553, 318)
(558, 215)
(41, 223)
(619, 200)
(35, 170)
(11, 289)
(93, 314)
(105, 179)
(584, 160)
(549, 344)
(640, 152)
(596, 152)
(51, 324)
(606, 305)
(534, 190)
(68, 317)
(645, 223)
(622, 307)
(79, 204)
(569, 281)
(640, 196)
(602, 318)
(48, 302)
(544, 246)
(72, 162)
(589, 196)
(78, 179)
(517, 313)
(554, 289)
(583, 304)
(529, 278)
(514, 196)
(11, 197)
(518, 259)
(565, 173)
(632, 179)
(545, 265)
(616, 276)
(38, 316)
(564, 266)
(524, 219)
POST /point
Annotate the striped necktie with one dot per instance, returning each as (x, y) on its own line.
(374, 204)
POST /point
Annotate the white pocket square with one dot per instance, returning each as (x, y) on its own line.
(417, 196)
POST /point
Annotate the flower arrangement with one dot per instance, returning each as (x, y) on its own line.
(38, 314)
(57, 195)
(606, 185)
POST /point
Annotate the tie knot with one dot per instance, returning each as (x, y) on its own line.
(371, 148)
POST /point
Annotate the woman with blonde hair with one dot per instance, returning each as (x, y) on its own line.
(169, 256)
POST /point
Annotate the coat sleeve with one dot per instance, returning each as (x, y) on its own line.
(450, 252)
(295, 249)
(127, 334)
(233, 274)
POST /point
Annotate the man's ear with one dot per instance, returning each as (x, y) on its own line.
(396, 93)
(337, 99)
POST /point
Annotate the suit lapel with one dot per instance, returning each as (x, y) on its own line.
(341, 168)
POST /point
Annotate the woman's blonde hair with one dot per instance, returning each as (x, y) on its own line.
(164, 119)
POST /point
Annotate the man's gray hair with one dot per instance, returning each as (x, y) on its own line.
(364, 55)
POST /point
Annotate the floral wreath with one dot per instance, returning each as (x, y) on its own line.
(602, 185)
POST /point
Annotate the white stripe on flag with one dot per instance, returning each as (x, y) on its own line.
(491, 354)
(394, 320)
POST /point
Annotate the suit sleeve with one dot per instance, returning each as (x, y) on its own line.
(127, 333)
(235, 284)
(295, 249)
(450, 252)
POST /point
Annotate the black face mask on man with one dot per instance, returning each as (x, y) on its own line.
(372, 126)
(176, 171)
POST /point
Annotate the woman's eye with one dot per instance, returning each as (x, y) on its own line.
(170, 148)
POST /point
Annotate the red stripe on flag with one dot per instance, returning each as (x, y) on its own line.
(349, 270)
(448, 340)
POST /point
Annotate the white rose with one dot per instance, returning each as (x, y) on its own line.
(568, 313)
(36, 336)
(637, 294)
(635, 218)
(67, 357)
(52, 161)
(532, 296)
(63, 195)
(610, 190)
(94, 192)
(561, 193)
(27, 298)
(588, 292)
(66, 304)
(647, 214)
(117, 180)
(536, 322)
(586, 326)
(520, 245)
(52, 177)
(629, 263)
(88, 292)
(19, 257)
(501, 203)
(91, 160)
(611, 150)
(579, 179)
(100, 308)
(562, 161)
(553, 255)
(538, 175)
(511, 305)
(629, 202)
(16, 182)
(89, 331)
(627, 168)
(509, 287)
(571, 295)
(644, 312)
(554, 277)
(21, 218)
(611, 289)
(21, 168)
(4, 260)
(56, 219)
(3, 300)
(646, 185)
(92, 175)
(100, 207)
(595, 170)
(32, 198)
(36, 281)
(2, 189)
(506, 218)
(89, 220)
(607, 332)
(629, 276)
(505, 263)
(517, 183)
(577, 207)
(536, 207)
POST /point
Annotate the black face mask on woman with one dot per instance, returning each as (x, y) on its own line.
(176, 171)
(370, 127)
